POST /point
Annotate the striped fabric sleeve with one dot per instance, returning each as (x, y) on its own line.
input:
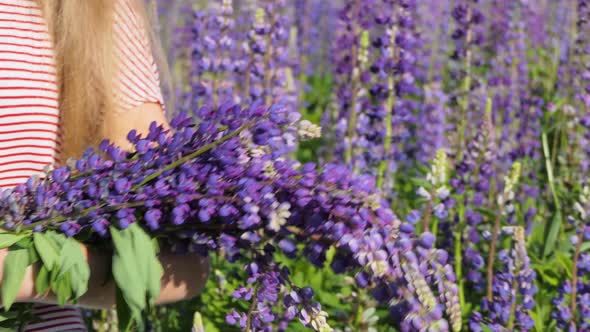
(137, 80)
(52, 318)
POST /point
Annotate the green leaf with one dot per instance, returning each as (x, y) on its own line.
(42, 281)
(7, 239)
(552, 232)
(46, 249)
(135, 261)
(487, 212)
(329, 299)
(126, 269)
(15, 265)
(124, 313)
(148, 264)
(198, 322)
(80, 271)
(549, 169)
(485, 328)
(68, 254)
(57, 239)
(420, 182)
(25, 242)
(62, 288)
(8, 315)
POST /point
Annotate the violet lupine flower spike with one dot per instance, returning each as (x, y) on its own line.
(223, 49)
(269, 73)
(571, 304)
(349, 54)
(513, 290)
(506, 209)
(473, 183)
(582, 69)
(431, 133)
(315, 21)
(230, 65)
(438, 194)
(468, 37)
(508, 80)
(218, 185)
(386, 65)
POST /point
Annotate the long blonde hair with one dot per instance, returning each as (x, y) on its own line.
(82, 32)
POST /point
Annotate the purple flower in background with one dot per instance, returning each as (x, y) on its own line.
(513, 291)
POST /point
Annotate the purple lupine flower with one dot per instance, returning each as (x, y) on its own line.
(476, 171)
(217, 185)
(350, 56)
(513, 291)
(315, 22)
(468, 38)
(572, 303)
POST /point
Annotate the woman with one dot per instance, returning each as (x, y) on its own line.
(71, 74)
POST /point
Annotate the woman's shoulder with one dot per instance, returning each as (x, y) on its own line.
(138, 77)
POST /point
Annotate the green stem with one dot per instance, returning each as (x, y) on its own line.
(351, 130)
(513, 306)
(573, 303)
(154, 175)
(267, 55)
(195, 154)
(491, 259)
(466, 86)
(252, 307)
(388, 118)
(459, 253)
(550, 170)
(83, 213)
(427, 215)
(435, 227)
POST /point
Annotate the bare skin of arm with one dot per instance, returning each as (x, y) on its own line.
(184, 275)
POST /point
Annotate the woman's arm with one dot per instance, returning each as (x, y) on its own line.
(184, 276)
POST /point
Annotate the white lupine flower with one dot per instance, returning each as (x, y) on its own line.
(308, 130)
(373, 202)
(290, 139)
(423, 193)
(510, 182)
(243, 159)
(580, 209)
(269, 169)
(379, 267)
(279, 216)
(443, 192)
(254, 209)
(438, 174)
(318, 321)
(257, 152)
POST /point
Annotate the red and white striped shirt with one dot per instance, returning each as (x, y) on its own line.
(29, 109)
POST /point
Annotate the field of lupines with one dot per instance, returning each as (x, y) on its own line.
(470, 119)
(349, 165)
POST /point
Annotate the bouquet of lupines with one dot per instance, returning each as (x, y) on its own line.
(218, 182)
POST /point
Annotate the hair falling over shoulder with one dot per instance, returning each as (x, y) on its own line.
(82, 32)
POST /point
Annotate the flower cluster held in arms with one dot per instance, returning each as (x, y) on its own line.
(220, 184)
